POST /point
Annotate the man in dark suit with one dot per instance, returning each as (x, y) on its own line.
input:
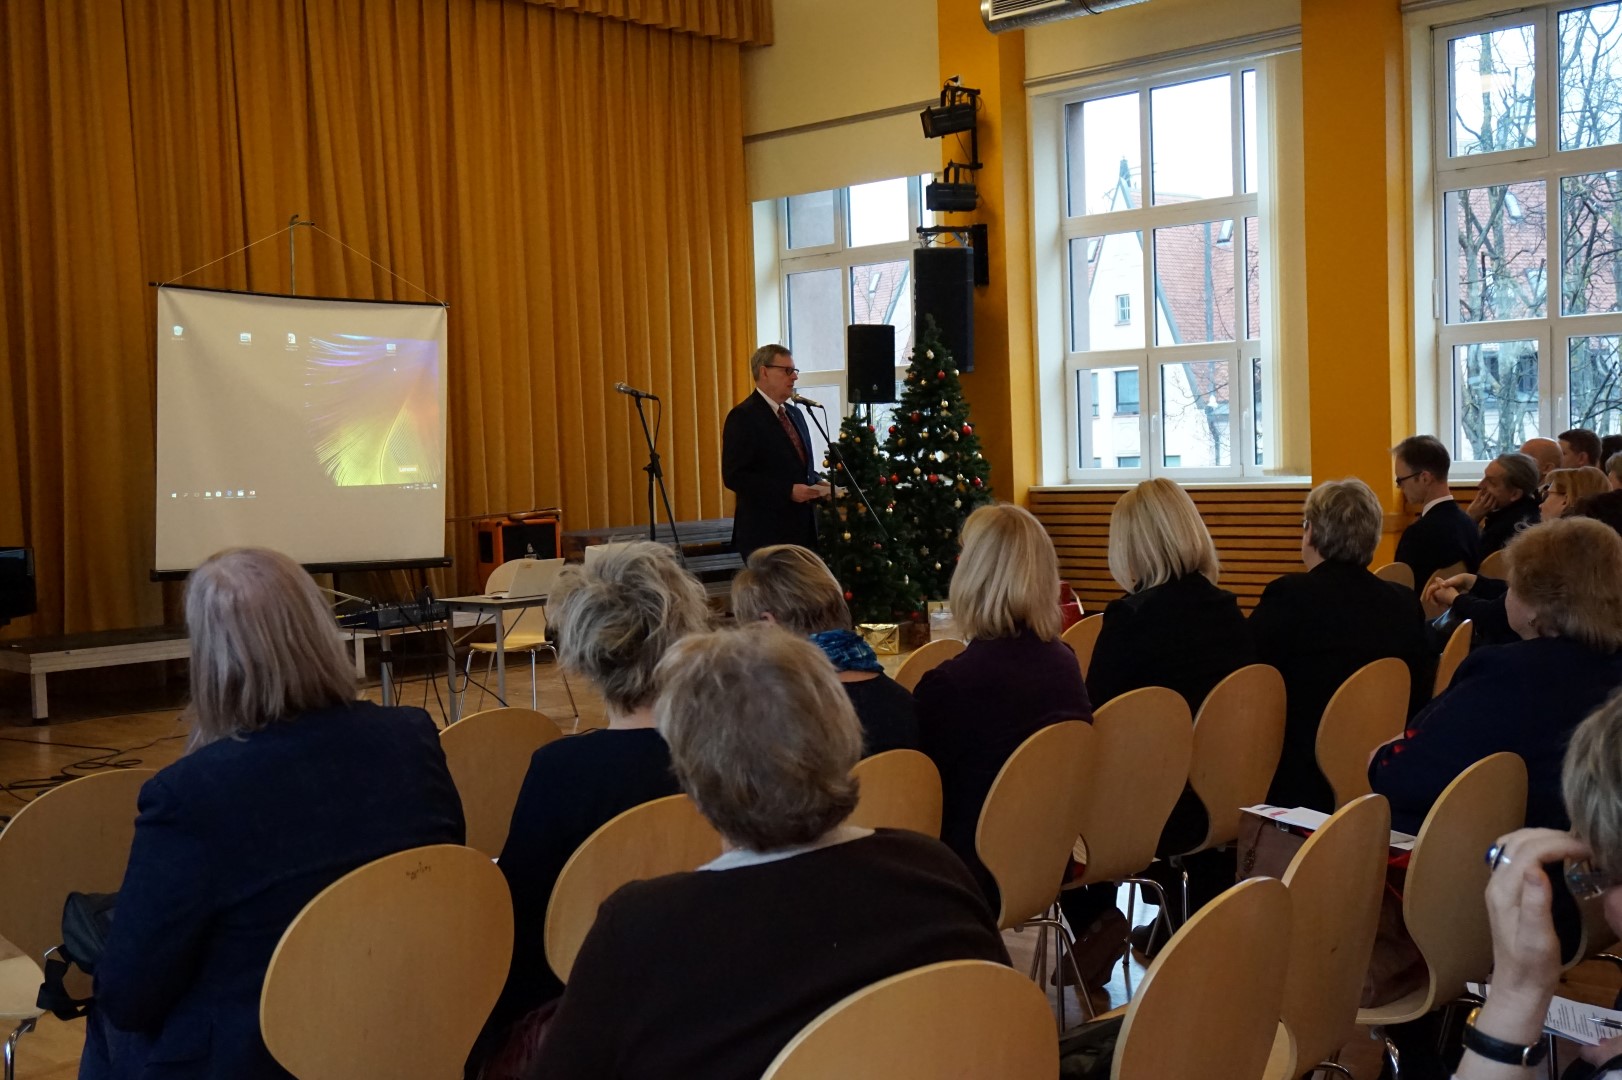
(766, 460)
(1443, 534)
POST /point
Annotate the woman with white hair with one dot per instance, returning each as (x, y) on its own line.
(615, 619)
(288, 783)
(711, 973)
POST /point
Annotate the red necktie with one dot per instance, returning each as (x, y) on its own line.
(793, 435)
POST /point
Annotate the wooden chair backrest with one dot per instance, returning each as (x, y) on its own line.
(926, 658)
(1209, 1005)
(1399, 572)
(1238, 737)
(1143, 742)
(967, 1018)
(1444, 897)
(1433, 609)
(1494, 565)
(665, 836)
(1082, 637)
(73, 838)
(488, 754)
(1453, 654)
(1032, 815)
(1370, 707)
(392, 969)
(1336, 883)
(901, 789)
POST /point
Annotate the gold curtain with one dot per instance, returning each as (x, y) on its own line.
(571, 184)
(748, 22)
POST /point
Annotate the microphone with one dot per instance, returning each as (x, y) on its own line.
(801, 399)
(634, 392)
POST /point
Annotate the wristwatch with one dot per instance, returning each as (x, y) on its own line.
(1505, 1053)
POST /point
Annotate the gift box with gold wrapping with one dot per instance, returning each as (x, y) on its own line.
(885, 638)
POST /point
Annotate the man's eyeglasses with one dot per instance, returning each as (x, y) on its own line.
(1410, 476)
(1588, 881)
(780, 367)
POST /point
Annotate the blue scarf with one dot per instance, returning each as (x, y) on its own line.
(847, 651)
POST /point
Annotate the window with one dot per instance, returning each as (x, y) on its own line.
(1160, 210)
(1528, 122)
(844, 257)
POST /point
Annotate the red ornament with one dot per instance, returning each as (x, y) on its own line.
(849, 595)
(883, 480)
(892, 429)
(894, 479)
(872, 430)
(933, 478)
(940, 374)
(976, 481)
(916, 416)
(967, 430)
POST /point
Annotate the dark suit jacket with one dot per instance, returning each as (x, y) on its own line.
(1440, 538)
(1524, 698)
(1318, 628)
(231, 842)
(761, 466)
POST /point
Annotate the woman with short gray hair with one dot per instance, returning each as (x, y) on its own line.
(614, 619)
(1319, 627)
(800, 911)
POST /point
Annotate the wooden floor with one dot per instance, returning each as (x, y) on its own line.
(102, 720)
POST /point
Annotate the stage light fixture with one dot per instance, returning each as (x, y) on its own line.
(952, 194)
(955, 112)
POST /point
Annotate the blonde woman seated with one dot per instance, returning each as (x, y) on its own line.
(1565, 602)
(790, 586)
(710, 973)
(615, 620)
(1013, 678)
(287, 784)
(1526, 948)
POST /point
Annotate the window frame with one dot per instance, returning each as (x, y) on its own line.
(1153, 360)
(1543, 162)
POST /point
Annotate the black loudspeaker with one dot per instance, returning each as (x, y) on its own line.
(943, 288)
(870, 360)
(17, 597)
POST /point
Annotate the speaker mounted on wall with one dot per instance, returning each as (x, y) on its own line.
(870, 354)
(943, 289)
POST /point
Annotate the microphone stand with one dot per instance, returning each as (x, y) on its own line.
(656, 475)
(833, 445)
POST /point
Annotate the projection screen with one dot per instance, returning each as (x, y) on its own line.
(315, 427)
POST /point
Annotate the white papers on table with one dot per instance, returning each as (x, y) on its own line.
(1574, 1020)
(1312, 821)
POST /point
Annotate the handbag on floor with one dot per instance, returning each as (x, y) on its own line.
(1087, 1052)
(87, 918)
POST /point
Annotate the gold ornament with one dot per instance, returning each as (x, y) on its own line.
(846, 538)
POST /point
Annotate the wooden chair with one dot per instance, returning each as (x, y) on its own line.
(1336, 883)
(488, 754)
(1143, 742)
(926, 658)
(1028, 824)
(1399, 572)
(958, 1018)
(1443, 903)
(1082, 637)
(1453, 654)
(391, 970)
(523, 630)
(1370, 707)
(901, 789)
(1209, 1005)
(1433, 609)
(1494, 565)
(1238, 738)
(73, 838)
(665, 836)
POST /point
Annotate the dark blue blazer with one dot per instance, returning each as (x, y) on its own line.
(1524, 698)
(231, 842)
(761, 466)
(1439, 539)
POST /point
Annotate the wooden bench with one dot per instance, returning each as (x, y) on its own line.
(39, 656)
(706, 548)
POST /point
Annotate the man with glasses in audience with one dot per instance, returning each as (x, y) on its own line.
(1507, 500)
(766, 460)
(1443, 534)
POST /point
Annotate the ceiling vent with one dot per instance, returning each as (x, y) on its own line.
(1001, 15)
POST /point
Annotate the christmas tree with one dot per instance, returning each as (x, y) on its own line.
(937, 476)
(855, 533)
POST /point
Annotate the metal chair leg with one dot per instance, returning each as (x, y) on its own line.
(11, 1046)
(1165, 913)
(534, 687)
(1325, 1066)
(1392, 1056)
